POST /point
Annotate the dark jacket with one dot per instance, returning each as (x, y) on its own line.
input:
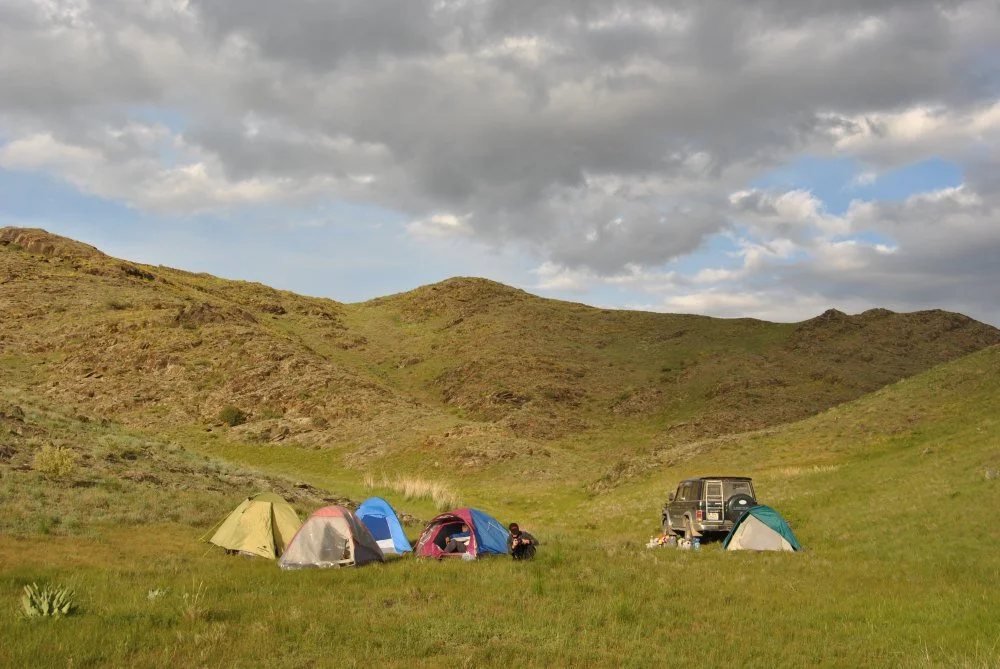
(523, 535)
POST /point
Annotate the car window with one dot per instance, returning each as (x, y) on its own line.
(713, 491)
(739, 487)
(685, 493)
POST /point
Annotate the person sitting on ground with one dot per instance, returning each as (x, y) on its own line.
(521, 545)
(459, 541)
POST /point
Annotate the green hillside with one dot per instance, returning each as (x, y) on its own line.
(468, 374)
(889, 494)
(875, 435)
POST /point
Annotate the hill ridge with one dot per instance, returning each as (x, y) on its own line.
(467, 372)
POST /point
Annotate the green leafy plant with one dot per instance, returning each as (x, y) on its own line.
(55, 462)
(232, 416)
(47, 601)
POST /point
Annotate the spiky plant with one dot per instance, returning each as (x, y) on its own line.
(47, 601)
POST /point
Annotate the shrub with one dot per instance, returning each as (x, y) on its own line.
(55, 462)
(47, 601)
(117, 305)
(232, 416)
(270, 413)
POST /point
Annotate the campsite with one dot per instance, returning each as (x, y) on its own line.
(499, 333)
(888, 493)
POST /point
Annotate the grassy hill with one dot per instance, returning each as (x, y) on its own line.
(464, 375)
(891, 495)
(875, 435)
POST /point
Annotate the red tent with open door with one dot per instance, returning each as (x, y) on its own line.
(487, 535)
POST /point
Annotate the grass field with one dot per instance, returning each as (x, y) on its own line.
(888, 494)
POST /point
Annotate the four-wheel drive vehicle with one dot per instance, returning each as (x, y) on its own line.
(707, 504)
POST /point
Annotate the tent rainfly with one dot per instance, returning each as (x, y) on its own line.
(381, 520)
(332, 537)
(761, 528)
(261, 525)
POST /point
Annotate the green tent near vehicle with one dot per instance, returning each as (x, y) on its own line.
(761, 528)
(261, 525)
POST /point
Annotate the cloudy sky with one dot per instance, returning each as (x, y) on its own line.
(767, 158)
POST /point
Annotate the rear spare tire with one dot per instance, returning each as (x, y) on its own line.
(737, 505)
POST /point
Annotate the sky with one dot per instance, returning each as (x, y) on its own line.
(736, 158)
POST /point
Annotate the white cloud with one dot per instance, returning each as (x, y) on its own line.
(128, 163)
(782, 306)
(863, 179)
(788, 212)
(918, 132)
(440, 225)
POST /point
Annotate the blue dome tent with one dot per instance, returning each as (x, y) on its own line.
(381, 520)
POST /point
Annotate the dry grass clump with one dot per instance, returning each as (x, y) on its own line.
(414, 488)
(798, 471)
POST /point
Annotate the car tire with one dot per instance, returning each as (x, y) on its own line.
(688, 529)
(737, 505)
(667, 529)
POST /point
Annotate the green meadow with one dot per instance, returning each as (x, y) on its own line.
(891, 495)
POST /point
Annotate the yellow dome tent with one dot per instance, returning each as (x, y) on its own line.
(261, 525)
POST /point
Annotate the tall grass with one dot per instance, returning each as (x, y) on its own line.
(416, 488)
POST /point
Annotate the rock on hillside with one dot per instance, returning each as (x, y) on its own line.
(35, 240)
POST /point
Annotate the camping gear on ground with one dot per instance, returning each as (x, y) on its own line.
(761, 528)
(488, 536)
(662, 540)
(261, 525)
(696, 543)
(332, 537)
(381, 520)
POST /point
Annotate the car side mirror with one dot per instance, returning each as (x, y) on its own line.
(670, 497)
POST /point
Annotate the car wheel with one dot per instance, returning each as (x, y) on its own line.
(688, 529)
(667, 529)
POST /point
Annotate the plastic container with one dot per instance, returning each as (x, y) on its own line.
(696, 544)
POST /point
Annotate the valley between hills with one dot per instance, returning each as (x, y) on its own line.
(177, 394)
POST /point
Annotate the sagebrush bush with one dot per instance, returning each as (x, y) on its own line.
(232, 416)
(55, 462)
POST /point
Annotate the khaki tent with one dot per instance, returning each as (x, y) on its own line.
(331, 537)
(761, 528)
(262, 525)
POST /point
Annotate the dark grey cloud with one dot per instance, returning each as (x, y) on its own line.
(322, 34)
(600, 133)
